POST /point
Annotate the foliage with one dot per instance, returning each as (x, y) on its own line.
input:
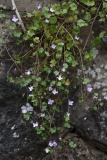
(53, 37)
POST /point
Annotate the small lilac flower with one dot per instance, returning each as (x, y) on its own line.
(95, 97)
(70, 103)
(31, 95)
(59, 77)
(24, 110)
(89, 88)
(50, 88)
(62, 43)
(51, 10)
(47, 150)
(14, 19)
(47, 21)
(27, 108)
(28, 72)
(76, 37)
(63, 69)
(60, 138)
(68, 114)
(42, 115)
(54, 91)
(39, 6)
(30, 88)
(35, 124)
(50, 101)
(54, 144)
(53, 46)
(50, 144)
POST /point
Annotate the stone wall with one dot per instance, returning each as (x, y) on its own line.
(27, 5)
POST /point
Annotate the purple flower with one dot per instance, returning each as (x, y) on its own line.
(53, 46)
(52, 143)
(14, 19)
(24, 110)
(63, 69)
(59, 77)
(42, 115)
(31, 95)
(47, 21)
(28, 72)
(27, 108)
(68, 114)
(51, 9)
(35, 124)
(62, 43)
(70, 103)
(89, 88)
(55, 91)
(47, 150)
(76, 37)
(30, 88)
(39, 6)
(50, 88)
(60, 138)
(50, 101)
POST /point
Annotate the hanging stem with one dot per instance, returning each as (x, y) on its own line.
(18, 15)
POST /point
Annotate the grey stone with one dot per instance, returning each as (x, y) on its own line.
(93, 128)
(27, 5)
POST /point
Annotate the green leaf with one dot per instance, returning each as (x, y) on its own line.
(88, 56)
(53, 20)
(12, 26)
(36, 39)
(2, 15)
(75, 30)
(47, 54)
(88, 2)
(58, 55)
(74, 63)
(95, 108)
(26, 116)
(32, 45)
(85, 81)
(17, 33)
(87, 16)
(72, 144)
(56, 73)
(101, 104)
(47, 14)
(104, 4)
(102, 34)
(30, 33)
(29, 15)
(53, 130)
(67, 125)
(96, 41)
(10, 79)
(25, 37)
(81, 23)
(65, 65)
(59, 147)
(38, 79)
(52, 63)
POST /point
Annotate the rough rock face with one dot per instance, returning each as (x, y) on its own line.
(18, 139)
(27, 5)
(93, 128)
